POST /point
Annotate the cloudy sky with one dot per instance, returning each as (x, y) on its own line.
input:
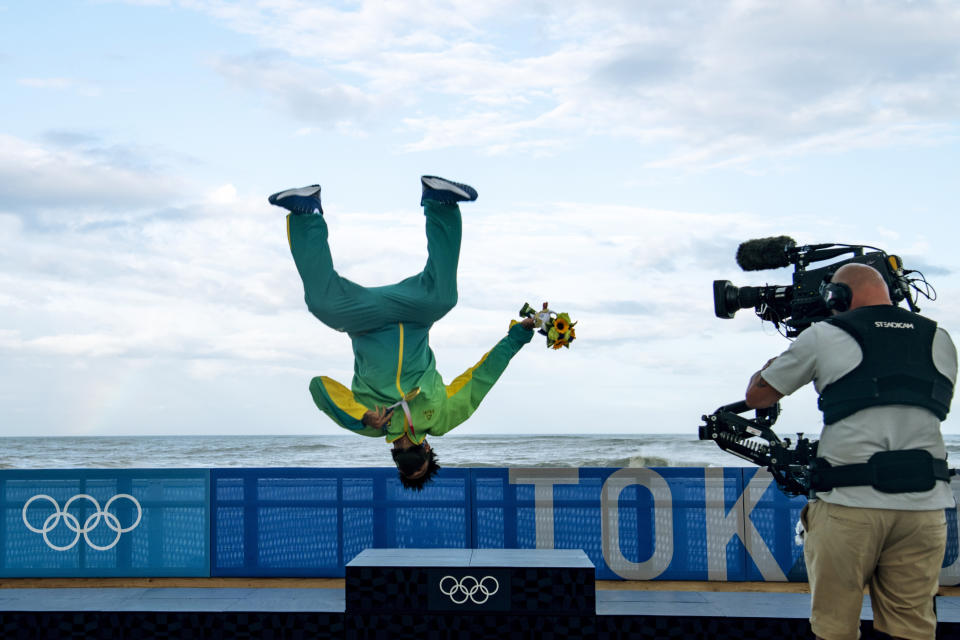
(622, 151)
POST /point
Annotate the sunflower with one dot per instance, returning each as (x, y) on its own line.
(557, 327)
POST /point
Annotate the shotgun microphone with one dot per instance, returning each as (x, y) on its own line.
(765, 253)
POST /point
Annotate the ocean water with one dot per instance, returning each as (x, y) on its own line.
(164, 452)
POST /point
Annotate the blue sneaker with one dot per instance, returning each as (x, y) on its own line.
(305, 200)
(440, 190)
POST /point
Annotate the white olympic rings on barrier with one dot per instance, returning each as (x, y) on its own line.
(73, 523)
(468, 587)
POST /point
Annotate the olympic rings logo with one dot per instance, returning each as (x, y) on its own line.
(73, 523)
(469, 588)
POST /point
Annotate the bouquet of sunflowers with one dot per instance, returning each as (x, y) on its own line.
(556, 326)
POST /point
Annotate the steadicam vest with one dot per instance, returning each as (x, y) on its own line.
(897, 365)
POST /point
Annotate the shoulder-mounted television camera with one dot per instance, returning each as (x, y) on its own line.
(798, 305)
(795, 307)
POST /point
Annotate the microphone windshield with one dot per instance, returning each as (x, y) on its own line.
(765, 253)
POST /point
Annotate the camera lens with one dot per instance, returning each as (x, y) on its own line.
(728, 299)
(724, 299)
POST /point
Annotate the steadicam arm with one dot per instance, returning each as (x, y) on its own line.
(790, 466)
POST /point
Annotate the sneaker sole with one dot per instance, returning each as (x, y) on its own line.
(302, 191)
(439, 184)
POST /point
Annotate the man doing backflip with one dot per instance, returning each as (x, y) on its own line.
(885, 377)
(394, 367)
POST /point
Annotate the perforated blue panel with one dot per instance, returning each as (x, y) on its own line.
(311, 522)
(775, 517)
(650, 518)
(104, 523)
(633, 523)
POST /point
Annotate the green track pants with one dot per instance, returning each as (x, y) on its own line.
(343, 305)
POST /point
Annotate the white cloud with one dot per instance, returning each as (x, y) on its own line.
(121, 273)
(222, 195)
(723, 83)
(217, 281)
(214, 299)
(37, 177)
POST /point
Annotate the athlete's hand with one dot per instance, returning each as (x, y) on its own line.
(377, 419)
(527, 323)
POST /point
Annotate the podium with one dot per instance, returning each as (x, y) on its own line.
(470, 594)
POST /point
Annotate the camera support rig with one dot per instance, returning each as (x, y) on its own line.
(790, 465)
(795, 307)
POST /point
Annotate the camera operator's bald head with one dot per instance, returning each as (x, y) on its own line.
(868, 286)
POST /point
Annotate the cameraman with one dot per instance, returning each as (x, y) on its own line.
(885, 377)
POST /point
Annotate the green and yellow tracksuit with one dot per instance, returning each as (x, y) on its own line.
(389, 329)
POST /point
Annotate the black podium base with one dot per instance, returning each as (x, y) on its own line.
(471, 582)
(170, 625)
(219, 625)
(528, 595)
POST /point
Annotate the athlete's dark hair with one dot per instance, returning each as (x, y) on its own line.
(410, 461)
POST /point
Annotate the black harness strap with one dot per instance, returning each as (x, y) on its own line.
(887, 471)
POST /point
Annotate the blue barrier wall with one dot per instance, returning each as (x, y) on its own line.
(634, 523)
(105, 523)
(311, 522)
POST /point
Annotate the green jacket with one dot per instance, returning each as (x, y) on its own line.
(396, 362)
